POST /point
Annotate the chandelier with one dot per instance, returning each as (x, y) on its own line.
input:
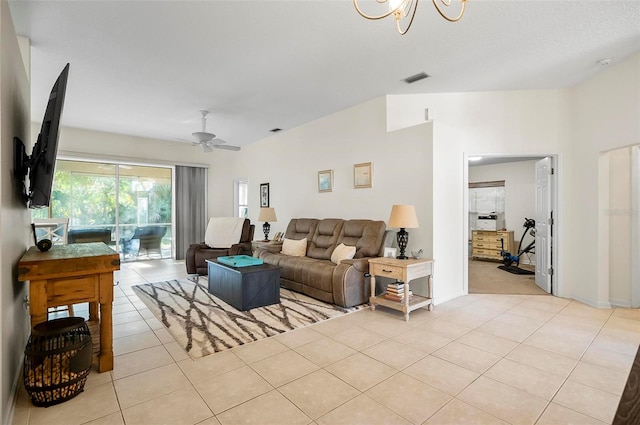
(401, 9)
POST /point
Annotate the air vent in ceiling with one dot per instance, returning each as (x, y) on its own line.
(275, 130)
(417, 77)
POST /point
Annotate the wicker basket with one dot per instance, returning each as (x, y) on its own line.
(57, 360)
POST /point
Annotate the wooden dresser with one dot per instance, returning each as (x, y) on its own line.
(486, 244)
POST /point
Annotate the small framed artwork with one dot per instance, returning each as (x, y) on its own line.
(325, 181)
(390, 252)
(362, 175)
(264, 195)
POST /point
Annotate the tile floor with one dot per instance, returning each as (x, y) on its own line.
(479, 359)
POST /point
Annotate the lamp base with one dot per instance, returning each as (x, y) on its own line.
(266, 227)
(402, 239)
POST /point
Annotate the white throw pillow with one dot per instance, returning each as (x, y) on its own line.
(342, 252)
(294, 248)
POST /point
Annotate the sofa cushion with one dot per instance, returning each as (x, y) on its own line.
(366, 235)
(299, 228)
(325, 238)
(342, 252)
(294, 248)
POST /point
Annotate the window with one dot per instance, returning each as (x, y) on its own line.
(117, 197)
(241, 197)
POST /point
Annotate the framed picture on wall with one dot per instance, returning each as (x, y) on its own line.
(362, 175)
(264, 195)
(325, 181)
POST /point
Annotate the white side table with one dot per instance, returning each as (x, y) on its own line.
(405, 271)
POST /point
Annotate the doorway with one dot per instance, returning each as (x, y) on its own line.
(509, 224)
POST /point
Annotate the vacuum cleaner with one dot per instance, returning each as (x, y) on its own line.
(507, 258)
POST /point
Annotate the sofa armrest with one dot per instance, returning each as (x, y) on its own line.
(360, 264)
(243, 248)
(350, 282)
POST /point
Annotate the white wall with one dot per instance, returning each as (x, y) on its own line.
(619, 215)
(14, 216)
(525, 123)
(94, 144)
(576, 124)
(401, 163)
(519, 190)
(605, 113)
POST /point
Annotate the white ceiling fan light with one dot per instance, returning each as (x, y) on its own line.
(208, 140)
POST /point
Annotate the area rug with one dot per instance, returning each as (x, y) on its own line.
(203, 324)
(516, 270)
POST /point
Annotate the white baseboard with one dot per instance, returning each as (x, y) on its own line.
(620, 303)
(449, 298)
(592, 304)
(13, 397)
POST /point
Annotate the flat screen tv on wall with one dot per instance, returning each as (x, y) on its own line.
(40, 165)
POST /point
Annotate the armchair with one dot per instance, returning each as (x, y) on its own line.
(198, 253)
(147, 238)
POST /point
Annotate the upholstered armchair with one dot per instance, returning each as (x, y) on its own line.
(197, 254)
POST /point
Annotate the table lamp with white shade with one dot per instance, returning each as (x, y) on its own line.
(267, 215)
(403, 217)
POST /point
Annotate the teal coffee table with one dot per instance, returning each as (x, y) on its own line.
(244, 287)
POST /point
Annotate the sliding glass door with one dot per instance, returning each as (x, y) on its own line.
(126, 206)
(144, 211)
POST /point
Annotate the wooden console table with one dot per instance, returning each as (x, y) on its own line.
(404, 271)
(71, 274)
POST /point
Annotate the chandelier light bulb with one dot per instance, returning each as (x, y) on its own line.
(401, 9)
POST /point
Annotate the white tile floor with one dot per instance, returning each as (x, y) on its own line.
(479, 359)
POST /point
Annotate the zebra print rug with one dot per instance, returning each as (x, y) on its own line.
(203, 324)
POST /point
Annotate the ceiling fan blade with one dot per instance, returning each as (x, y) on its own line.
(227, 147)
(206, 148)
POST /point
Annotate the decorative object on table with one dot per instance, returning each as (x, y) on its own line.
(50, 231)
(390, 252)
(240, 260)
(57, 360)
(400, 9)
(417, 254)
(203, 324)
(362, 175)
(267, 215)
(264, 195)
(325, 181)
(395, 291)
(403, 217)
(224, 236)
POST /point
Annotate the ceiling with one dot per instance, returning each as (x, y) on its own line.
(146, 68)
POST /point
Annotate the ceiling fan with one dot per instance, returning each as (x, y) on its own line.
(207, 140)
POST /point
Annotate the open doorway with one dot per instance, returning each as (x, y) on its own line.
(510, 249)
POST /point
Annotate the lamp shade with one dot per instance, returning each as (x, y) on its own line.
(267, 214)
(403, 217)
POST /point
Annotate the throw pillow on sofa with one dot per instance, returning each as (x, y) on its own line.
(294, 248)
(342, 252)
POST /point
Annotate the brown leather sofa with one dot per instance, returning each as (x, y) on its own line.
(314, 274)
(197, 254)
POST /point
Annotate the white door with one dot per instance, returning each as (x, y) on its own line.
(544, 223)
